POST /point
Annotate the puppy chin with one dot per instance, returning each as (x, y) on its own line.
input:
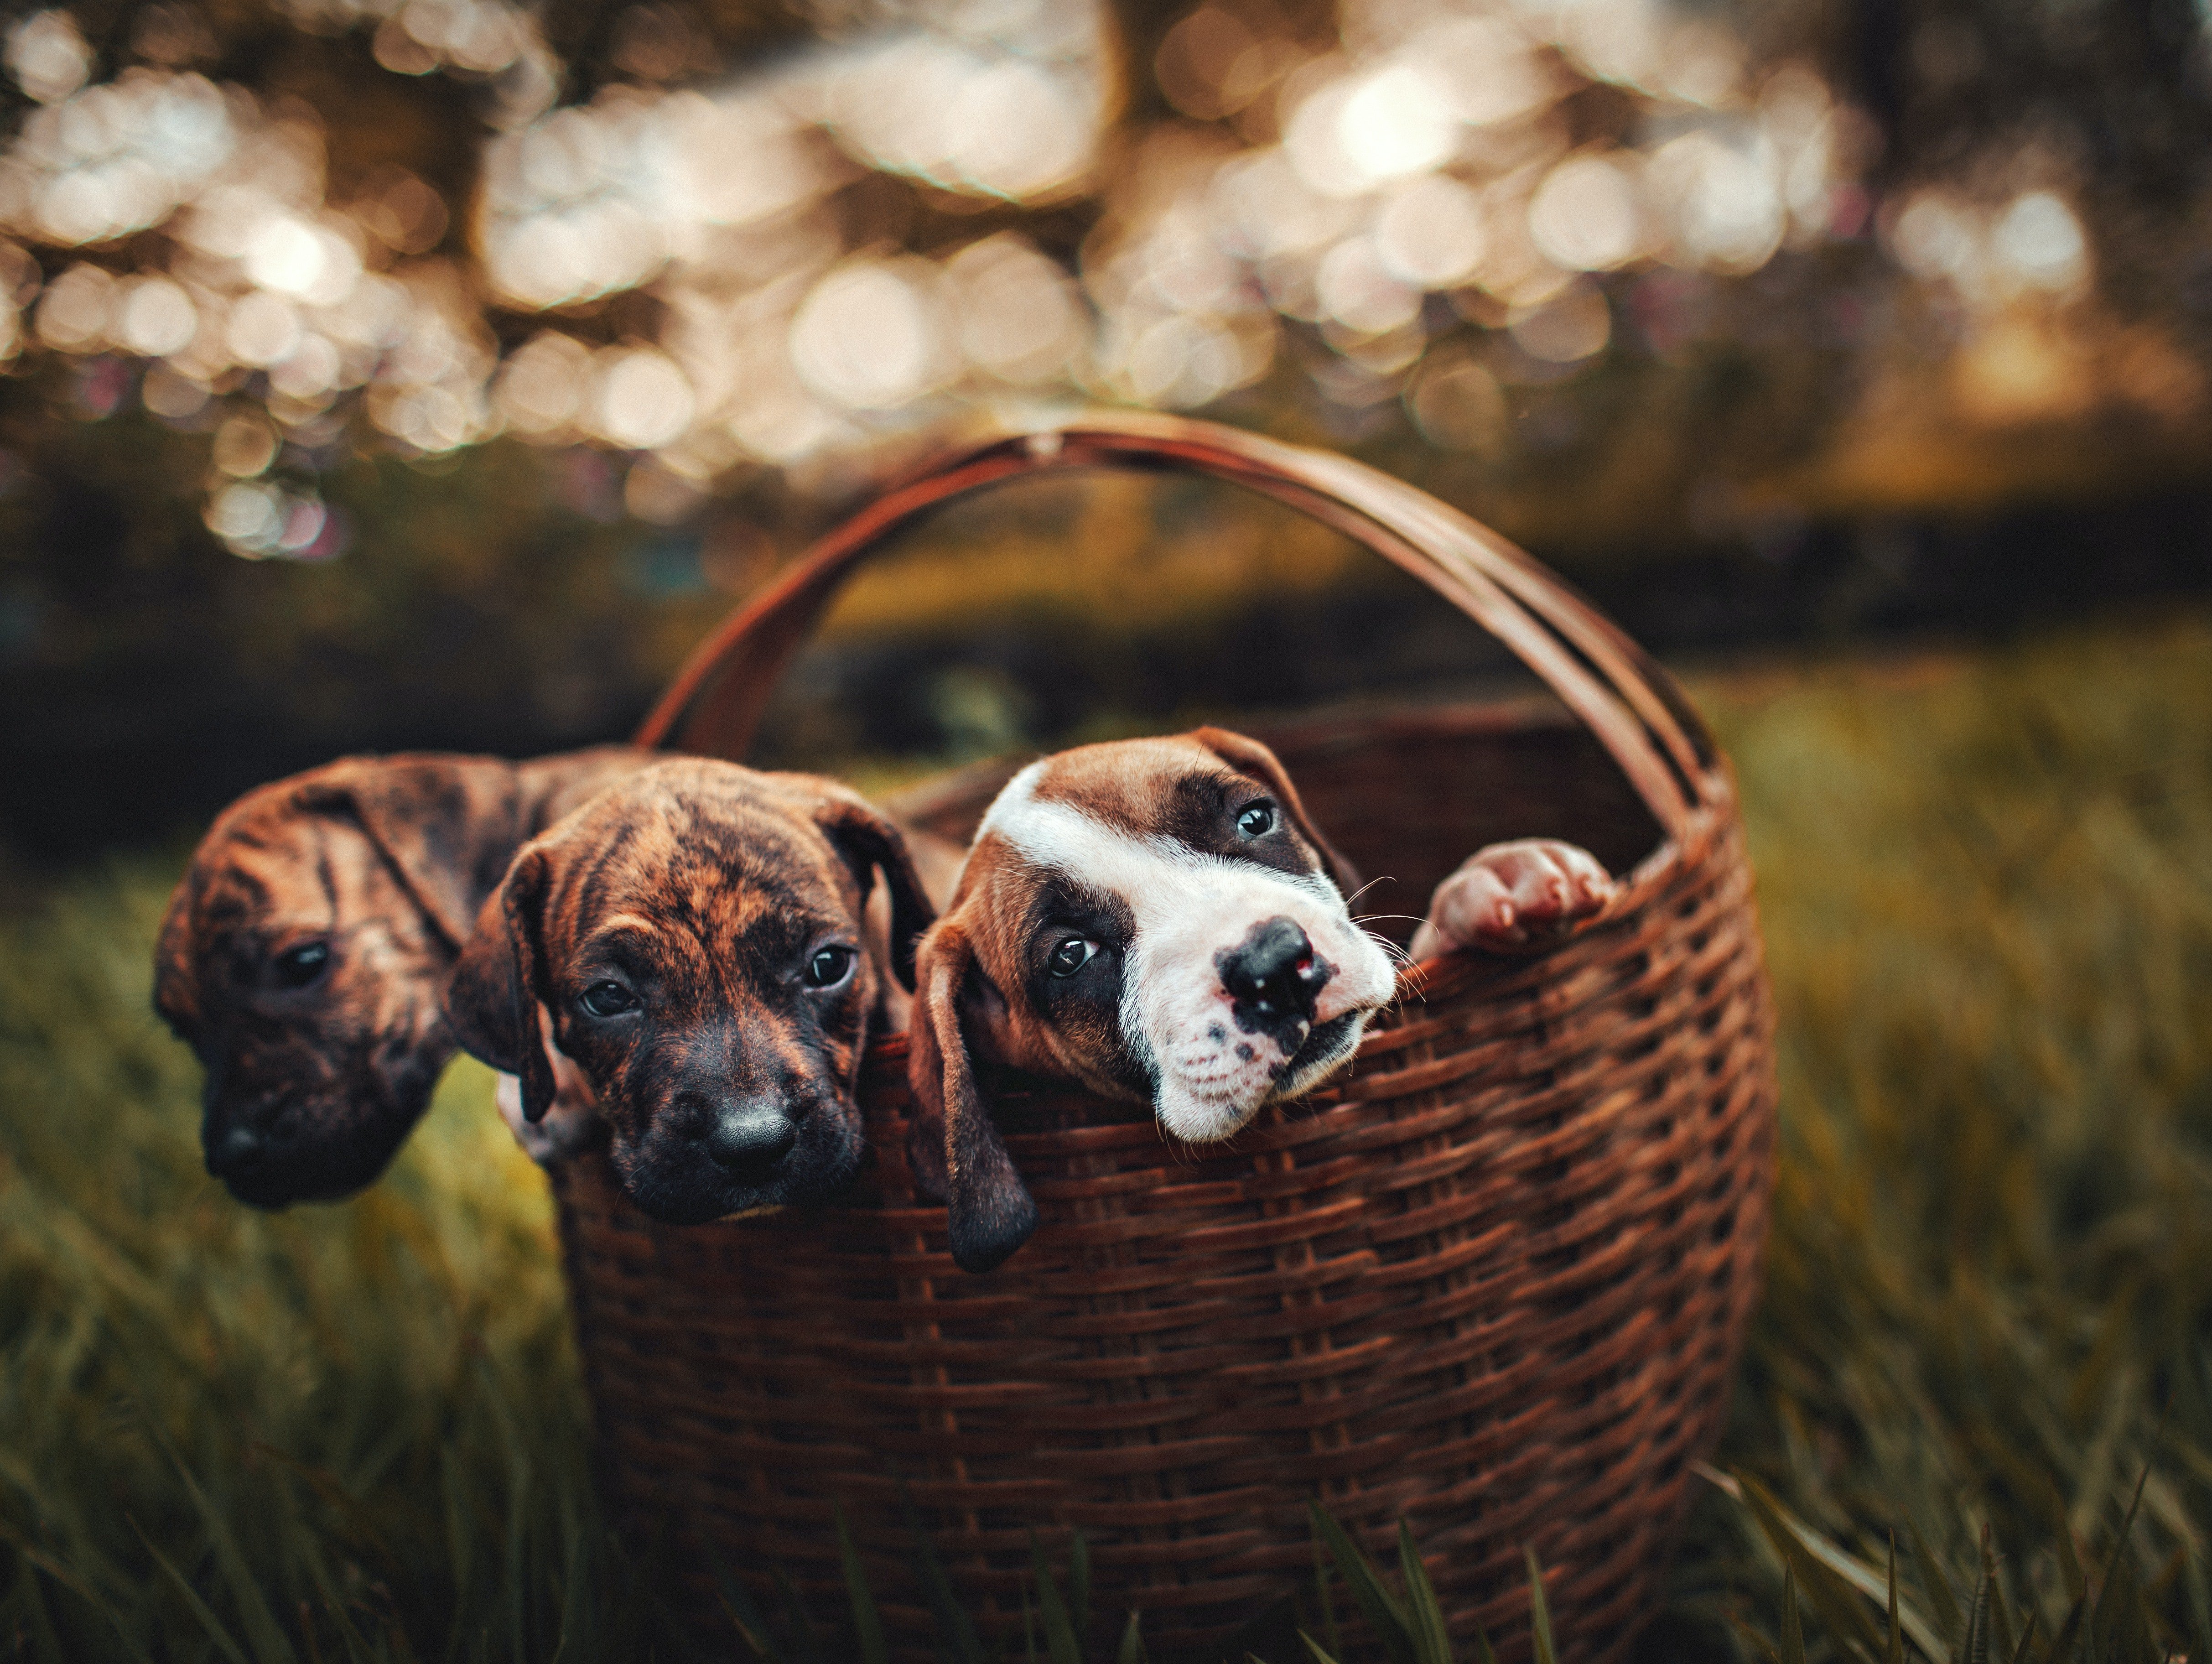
(326, 1171)
(1221, 1077)
(1328, 1051)
(322, 1166)
(675, 1181)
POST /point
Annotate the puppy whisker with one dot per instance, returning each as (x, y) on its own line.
(1390, 948)
(1384, 879)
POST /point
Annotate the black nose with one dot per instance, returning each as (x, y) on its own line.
(750, 1134)
(1272, 976)
(233, 1149)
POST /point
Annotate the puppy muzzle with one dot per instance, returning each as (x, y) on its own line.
(1267, 1018)
(716, 1155)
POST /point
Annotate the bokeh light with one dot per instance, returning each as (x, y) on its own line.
(856, 237)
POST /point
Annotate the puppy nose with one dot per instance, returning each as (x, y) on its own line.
(750, 1134)
(233, 1148)
(1272, 976)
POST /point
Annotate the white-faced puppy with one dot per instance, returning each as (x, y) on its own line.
(1158, 920)
(302, 952)
(694, 940)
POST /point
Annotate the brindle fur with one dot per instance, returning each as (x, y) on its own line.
(310, 1090)
(704, 888)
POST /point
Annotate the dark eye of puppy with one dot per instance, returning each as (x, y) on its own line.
(1256, 820)
(295, 968)
(606, 999)
(1070, 955)
(831, 966)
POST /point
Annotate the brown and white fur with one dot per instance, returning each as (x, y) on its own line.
(683, 959)
(1161, 921)
(301, 954)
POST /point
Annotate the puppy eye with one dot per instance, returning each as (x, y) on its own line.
(1070, 955)
(1256, 820)
(831, 966)
(295, 968)
(606, 999)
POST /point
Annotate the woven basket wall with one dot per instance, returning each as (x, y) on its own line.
(1494, 1282)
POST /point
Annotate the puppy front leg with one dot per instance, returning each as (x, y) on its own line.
(1510, 895)
(570, 1127)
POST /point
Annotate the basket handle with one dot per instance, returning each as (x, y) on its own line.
(1626, 700)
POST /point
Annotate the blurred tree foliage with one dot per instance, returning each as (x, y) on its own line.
(503, 597)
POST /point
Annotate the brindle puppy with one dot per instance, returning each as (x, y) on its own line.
(301, 954)
(694, 940)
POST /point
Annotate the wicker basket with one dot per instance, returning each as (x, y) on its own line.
(1495, 1282)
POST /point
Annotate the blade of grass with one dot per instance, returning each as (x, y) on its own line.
(1854, 1571)
(45, 1562)
(1432, 1643)
(2197, 1601)
(1540, 1610)
(48, 1641)
(2001, 1638)
(1975, 1649)
(1893, 1653)
(1948, 1619)
(1793, 1628)
(1324, 1595)
(320, 1573)
(1384, 1613)
(2115, 1621)
(1839, 1606)
(2063, 1644)
(806, 1645)
(199, 1608)
(867, 1622)
(1061, 1646)
(954, 1629)
(1131, 1649)
(262, 1631)
(1078, 1582)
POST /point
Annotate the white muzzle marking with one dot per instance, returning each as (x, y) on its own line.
(1190, 907)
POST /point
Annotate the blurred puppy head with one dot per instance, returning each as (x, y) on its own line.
(301, 958)
(1158, 920)
(301, 954)
(694, 938)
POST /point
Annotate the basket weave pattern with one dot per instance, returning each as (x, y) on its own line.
(1493, 1281)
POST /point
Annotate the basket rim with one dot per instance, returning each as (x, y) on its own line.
(1615, 688)
(1442, 974)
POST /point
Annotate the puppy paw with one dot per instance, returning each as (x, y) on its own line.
(1512, 893)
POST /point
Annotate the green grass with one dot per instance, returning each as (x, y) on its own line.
(1987, 891)
(1987, 882)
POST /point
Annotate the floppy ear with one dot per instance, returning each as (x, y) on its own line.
(989, 1210)
(869, 840)
(491, 1000)
(1251, 757)
(176, 980)
(445, 826)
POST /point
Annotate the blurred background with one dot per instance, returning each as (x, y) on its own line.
(431, 372)
(386, 374)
